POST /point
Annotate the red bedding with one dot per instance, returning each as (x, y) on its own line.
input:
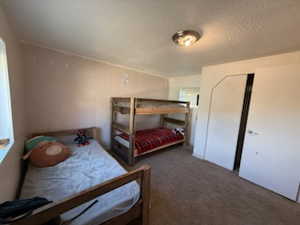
(146, 140)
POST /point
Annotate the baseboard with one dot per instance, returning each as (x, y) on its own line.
(197, 155)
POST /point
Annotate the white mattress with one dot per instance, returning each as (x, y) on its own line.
(122, 141)
(88, 166)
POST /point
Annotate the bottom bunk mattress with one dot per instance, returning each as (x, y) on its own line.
(88, 166)
(149, 139)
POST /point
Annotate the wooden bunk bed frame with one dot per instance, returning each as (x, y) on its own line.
(133, 109)
(137, 215)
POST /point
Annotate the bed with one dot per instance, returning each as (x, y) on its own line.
(90, 169)
(151, 139)
(132, 143)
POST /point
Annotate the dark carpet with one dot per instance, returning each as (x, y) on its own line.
(187, 191)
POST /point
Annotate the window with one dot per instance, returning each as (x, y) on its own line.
(6, 125)
(190, 95)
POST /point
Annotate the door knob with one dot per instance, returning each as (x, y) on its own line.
(252, 132)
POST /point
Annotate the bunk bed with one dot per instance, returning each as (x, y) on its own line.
(89, 174)
(128, 143)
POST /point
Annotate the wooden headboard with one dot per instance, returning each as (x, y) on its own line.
(91, 131)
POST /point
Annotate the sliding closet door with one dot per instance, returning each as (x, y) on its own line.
(224, 120)
(271, 154)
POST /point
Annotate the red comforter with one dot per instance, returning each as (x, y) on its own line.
(146, 140)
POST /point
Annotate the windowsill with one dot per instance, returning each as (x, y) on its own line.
(4, 151)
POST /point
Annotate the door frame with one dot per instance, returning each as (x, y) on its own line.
(243, 121)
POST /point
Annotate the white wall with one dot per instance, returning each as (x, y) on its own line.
(175, 84)
(10, 166)
(211, 75)
(67, 92)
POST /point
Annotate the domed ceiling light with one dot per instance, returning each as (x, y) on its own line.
(186, 38)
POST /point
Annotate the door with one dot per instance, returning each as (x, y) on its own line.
(271, 154)
(224, 120)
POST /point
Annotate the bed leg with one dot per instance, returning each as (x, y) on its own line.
(131, 159)
(187, 125)
(146, 191)
(131, 131)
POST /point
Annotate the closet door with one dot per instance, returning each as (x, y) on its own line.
(224, 120)
(271, 154)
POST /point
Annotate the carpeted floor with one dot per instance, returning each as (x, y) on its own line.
(188, 191)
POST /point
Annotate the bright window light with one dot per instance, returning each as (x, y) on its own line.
(6, 123)
(190, 95)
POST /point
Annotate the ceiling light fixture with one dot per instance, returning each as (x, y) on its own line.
(186, 38)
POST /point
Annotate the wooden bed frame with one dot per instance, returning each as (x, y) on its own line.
(137, 215)
(133, 106)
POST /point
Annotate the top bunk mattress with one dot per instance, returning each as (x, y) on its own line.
(88, 166)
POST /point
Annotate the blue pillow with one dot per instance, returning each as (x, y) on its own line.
(33, 142)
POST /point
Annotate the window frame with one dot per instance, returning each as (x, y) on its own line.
(180, 95)
(5, 73)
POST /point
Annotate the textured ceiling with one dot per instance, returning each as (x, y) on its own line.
(137, 33)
